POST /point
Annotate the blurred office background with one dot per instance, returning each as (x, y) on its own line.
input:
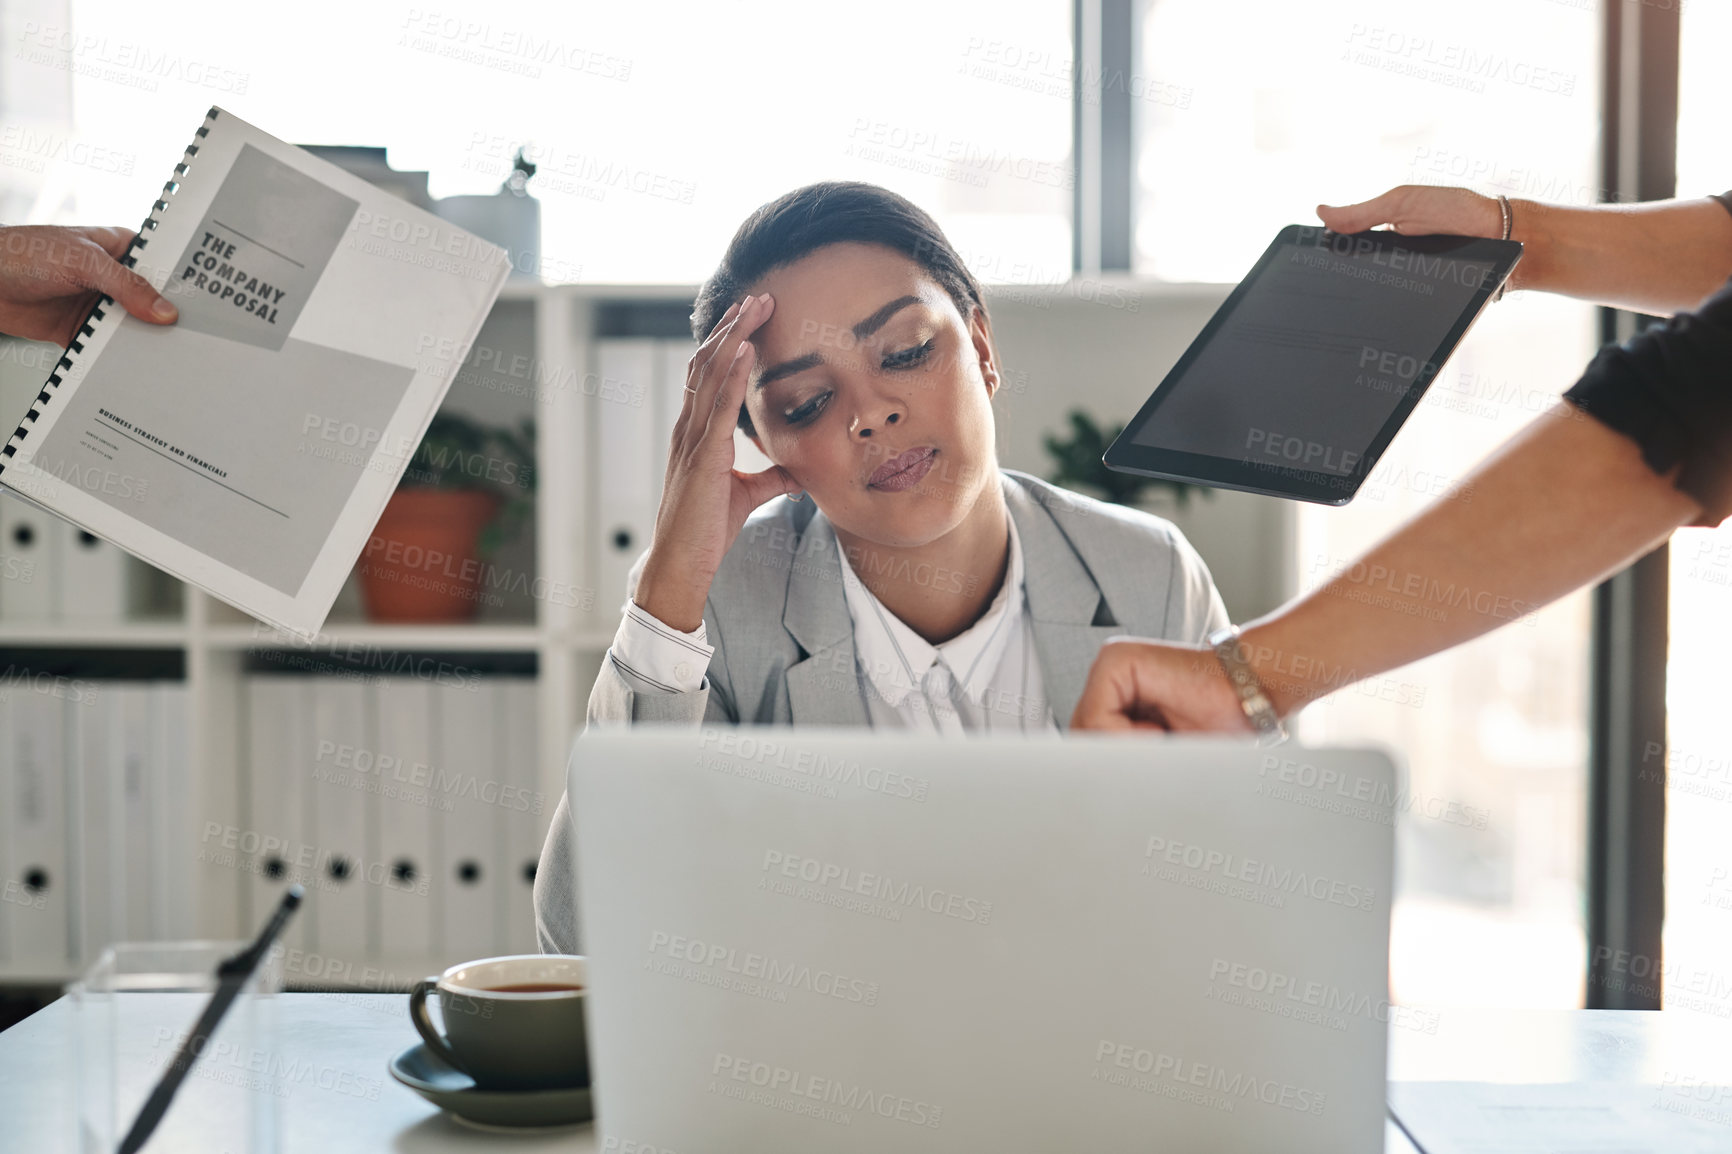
(1109, 168)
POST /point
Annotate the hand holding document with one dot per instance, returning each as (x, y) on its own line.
(306, 296)
(52, 276)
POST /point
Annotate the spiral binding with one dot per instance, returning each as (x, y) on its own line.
(129, 259)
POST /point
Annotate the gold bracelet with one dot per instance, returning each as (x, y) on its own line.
(1508, 227)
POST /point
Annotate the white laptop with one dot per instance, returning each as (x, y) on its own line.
(835, 940)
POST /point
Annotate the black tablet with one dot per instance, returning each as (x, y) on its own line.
(1302, 378)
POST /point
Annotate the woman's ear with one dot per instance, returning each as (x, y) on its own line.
(980, 337)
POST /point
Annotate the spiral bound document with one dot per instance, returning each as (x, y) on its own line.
(249, 448)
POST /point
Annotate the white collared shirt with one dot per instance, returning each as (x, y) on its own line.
(993, 663)
(905, 680)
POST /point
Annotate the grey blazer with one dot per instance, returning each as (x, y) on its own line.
(784, 642)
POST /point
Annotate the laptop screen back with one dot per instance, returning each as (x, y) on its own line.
(832, 940)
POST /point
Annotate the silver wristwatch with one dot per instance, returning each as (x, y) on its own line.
(1259, 710)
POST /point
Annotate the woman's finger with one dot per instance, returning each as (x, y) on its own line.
(1366, 214)
(706, 353)
(723, 365)
(724, 416)
(1418, 210)
(767, 485)
(1109, 698)
(112, 239)
(722, 321)
(694, 372)
(707, 350)
(98, 270)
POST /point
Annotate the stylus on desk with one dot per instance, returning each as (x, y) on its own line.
(232, 976)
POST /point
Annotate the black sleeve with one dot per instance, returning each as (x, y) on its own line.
(1725, 198)
(1669, 389)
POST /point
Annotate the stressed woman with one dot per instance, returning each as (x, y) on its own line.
(895, 576)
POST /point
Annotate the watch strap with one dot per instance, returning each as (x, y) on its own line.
(1253, 698)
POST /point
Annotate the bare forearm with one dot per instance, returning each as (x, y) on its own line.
(1563, 504)
(1661, 257)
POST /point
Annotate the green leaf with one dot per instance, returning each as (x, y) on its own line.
(458, 452)
(1079, 465)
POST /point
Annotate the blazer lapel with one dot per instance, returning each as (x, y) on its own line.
(824, 686)
(1063, 602)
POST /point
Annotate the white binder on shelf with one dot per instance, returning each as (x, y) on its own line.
(29, 561)
(526, 810)
(465, 764)
(341, 900)
(139, 791)
(36, 893)
(92, 576)
(627, 465)
(403, 707)
(7, 837)
(668, 395)
(26, 573)
(96, 806)
(177, 829)
(279, 724)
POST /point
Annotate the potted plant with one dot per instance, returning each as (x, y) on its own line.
(468, 489)
(1080, 467)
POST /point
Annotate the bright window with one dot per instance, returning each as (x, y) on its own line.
(658, 126)
(1284, 105)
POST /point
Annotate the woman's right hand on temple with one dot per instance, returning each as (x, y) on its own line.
(705, 500)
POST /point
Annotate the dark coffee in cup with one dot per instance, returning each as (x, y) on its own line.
(511, 1023)
(535, 988)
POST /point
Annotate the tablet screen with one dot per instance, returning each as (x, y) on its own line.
(1306, 372)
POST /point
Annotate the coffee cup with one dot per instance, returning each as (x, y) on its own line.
(511, 1023)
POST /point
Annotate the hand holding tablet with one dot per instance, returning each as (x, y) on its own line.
(1301, 379)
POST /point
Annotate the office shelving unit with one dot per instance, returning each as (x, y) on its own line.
(552, 329)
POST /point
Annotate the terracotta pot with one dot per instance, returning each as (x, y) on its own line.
(421, 563)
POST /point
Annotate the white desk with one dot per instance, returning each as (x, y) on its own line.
(357, 1034)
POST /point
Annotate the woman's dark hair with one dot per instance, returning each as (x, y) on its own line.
(831, 212)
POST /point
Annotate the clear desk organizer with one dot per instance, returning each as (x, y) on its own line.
(131, 1012)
